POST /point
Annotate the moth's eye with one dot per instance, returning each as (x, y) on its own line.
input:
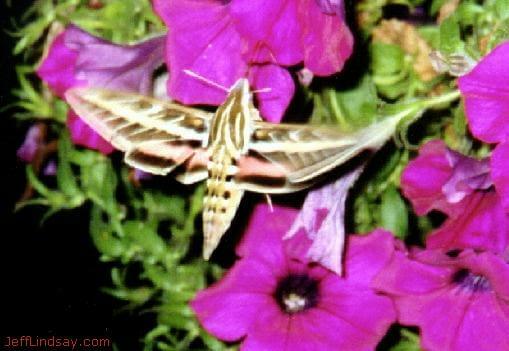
(227, 194)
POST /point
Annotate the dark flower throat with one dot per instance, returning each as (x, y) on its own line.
(296, 293)
(470, 281)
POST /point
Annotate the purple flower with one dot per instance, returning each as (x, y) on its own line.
(272, 301)
(323, 219)
(486, 94)
(458, 302)
(34, 140)
(224, 41)
(77, 58)
(459, 186)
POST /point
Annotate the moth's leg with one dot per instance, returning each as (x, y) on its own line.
(269, 202)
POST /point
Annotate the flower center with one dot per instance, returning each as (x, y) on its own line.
(296, 293)
(470, 281)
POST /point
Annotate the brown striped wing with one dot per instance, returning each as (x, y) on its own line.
(155, 135)
(294, 155)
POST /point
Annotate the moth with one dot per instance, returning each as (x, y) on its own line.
(233, 149)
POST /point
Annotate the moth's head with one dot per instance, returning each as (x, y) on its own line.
(241, 91)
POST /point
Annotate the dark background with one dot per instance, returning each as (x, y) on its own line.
(51, 273)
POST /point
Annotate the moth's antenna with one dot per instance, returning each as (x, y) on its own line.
(262, 90)
(254, 58)
(205, 80)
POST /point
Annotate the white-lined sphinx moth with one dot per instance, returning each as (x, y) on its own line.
(233, 149)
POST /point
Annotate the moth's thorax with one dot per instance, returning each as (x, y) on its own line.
(231, 125)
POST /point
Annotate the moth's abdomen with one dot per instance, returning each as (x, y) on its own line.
(221, 200)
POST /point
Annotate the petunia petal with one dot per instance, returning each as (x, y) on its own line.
(351, 304)
(499, 172)
(230, 307)
(366, 255)
(449, 308)
(327, 42)
(57, 69)
(402, 276)
(423, 178)
(491, 266)
(322, 330)
(268, 332)
(229, 316)
(483, 225)
(34, 140)
(126, 67)
(332, 7)
(202, 39)
(274, 34)
(439, 315)
(322, 219)
(484, 325)
(486, 95)
(468, 175)
(279, 89)
(264, 232)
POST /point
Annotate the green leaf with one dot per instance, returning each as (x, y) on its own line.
(349, 108)
(211, 342)
(387, 59)
(468, 12)
(103, 235)
(65, 177)
(394, 213)
(436, 5)
(163, 207)
(409, 342)
(450, 36)
(502, 9)
(146, 238)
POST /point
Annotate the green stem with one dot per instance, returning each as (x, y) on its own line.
(414, 109)
(441, 99)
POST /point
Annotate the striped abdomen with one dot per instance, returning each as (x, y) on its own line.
(221, 200)
(230, 131)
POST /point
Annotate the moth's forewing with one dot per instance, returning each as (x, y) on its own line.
(156, 136)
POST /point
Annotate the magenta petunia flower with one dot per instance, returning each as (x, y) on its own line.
(272, 301)
(459, 186)
(323, 219)
(460, 302)
(486, 95)
(77, 58)
(226, 40)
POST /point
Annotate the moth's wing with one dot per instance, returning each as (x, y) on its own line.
(258, 174)
(195, 168)
(299, 153)
(163, 157)
(157, 136)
